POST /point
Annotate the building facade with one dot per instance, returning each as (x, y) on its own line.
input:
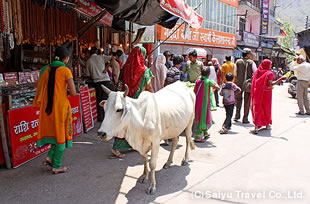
(217, 34)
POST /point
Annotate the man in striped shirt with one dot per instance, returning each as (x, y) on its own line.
(174, 73)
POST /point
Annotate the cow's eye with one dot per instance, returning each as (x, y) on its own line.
(119, 110)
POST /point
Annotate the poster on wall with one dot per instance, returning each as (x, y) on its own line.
(23, 129)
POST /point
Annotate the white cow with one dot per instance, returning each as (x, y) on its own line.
(145, 121)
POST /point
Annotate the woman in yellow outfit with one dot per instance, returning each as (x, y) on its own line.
(55, 120)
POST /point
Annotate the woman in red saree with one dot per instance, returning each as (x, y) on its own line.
(261, 95)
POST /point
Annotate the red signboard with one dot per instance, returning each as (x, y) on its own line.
(91, 9)
(86, 107)
(10, 77)
(181, 9)
(76, 115)
(233, 3)
(93, 103)
(23, 129)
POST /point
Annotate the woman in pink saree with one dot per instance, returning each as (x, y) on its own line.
(261, 95)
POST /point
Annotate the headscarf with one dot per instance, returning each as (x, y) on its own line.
(159, 71)
(134, 70)
(218, 68)
(260, 81)
(143, 50)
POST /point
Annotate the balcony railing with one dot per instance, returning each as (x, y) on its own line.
(254, 4)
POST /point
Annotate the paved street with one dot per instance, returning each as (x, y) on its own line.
(271, 167)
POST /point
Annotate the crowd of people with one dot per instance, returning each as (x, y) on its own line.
(238, 83)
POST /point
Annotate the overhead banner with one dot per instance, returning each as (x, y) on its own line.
(265, 16)
(234, 3)
(181, 9)
(91, 9)
(200, 36)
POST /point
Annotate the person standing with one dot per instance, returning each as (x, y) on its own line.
(184, 77)
(217, 67)
(138, 78)
(174, 73)
(122, 57)
(228, 67)
(302, 72)
(203, 116)
(213, 77)
(228, 92)
(245, 69)
(193, 67)
(261, 95)
(159, 71)
(97, 71)
(168, 64)
(55, 119)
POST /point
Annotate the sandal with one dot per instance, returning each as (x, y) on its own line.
(47, 163)
(60, 170)
(199, 140)
(117, 154)
(255, 132)
(223, 131)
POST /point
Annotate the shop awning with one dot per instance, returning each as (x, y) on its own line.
(146, 12)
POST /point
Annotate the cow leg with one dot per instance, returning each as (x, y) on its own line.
(145, 176)
(155, 149)
(189, 143)
(174, 145)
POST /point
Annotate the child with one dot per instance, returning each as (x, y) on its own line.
(228, 93)
(203, 105)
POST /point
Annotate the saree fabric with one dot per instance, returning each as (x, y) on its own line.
(55, 128)
(203, 104)
(261, 95)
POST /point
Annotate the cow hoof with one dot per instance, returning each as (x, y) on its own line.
(151, 190)
(185, 163)
(143, 179)
(167, 166)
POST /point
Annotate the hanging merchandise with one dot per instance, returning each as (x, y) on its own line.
(17, 21)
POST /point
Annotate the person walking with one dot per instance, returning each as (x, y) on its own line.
(261, 95)
(55, 119)
(203, 116)
(302, 72)
(217, 68)
(213, 77)
(138, 78)
(159, 71)
(97, 71)
(245, 69)
(228, 67)
(193, 67)
(228, 92)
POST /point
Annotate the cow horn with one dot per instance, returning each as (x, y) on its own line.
(126, 90)
(105, 89)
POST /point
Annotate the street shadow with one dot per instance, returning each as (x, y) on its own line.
(168, 181)
(264, 132)
(299, 116)
(168, 148)
(240, 124)
(207, 144)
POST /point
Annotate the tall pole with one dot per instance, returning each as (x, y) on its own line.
(307, 20)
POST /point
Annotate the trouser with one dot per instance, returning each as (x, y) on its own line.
(101, 95)
(56, 156)
(199, 132)
(247, 100)
(302, 96)
(216, 94)
(229, 113)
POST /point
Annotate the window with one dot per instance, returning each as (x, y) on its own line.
(242, 23)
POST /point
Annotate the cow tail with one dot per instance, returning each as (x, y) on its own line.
(192, 144)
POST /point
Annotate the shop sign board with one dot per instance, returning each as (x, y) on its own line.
(76, 115)
(265, 16)
(182, 10)
(93, 103)
(86, 108)
(91, 9)
(234, 3)
(23, 129)
(251, 40)
(197, 36)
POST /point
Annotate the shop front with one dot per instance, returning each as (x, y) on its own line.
(217, 44)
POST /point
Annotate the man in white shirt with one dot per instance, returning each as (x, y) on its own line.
(244, 70)
(302, 71)
(96, 70)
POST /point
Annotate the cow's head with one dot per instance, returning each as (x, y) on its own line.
(116, 109)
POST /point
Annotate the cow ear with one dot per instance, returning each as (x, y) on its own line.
(102, 103)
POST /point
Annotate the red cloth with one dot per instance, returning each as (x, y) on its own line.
(261, 95)
(134, 69)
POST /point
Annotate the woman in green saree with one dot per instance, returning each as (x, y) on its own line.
(138, 78)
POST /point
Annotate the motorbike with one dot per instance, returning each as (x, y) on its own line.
(292, 86)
